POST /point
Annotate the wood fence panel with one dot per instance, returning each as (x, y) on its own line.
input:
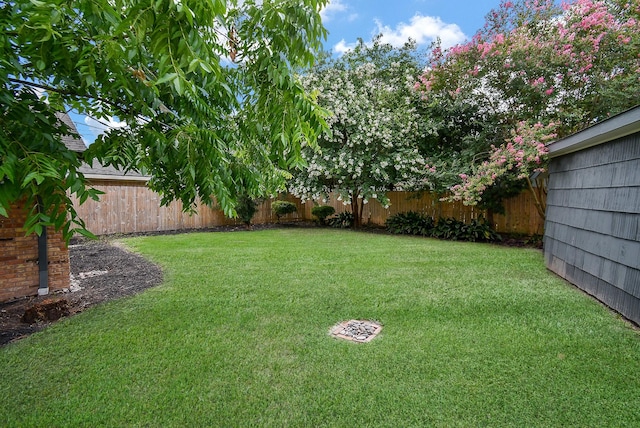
(521, 216)
(520, 212)
(130, 206)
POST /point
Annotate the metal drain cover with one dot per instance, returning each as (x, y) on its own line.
(356, 330)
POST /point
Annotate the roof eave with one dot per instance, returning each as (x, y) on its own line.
(613, 128)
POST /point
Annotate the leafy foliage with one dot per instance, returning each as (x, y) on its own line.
(376, 123)
(343, 220)
(322, 212)
(282, 208)
(520, 157)
(207, 91)
(410, 223)
(457, 230)
(246, 208)
(414, 223)
(534, 66)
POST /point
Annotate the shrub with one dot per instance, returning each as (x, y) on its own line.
(322, 212)
(343, 220)
(281, 208)
(456, 230)
(449, 228)
(410, 223)
(246, 208)
(479, 230)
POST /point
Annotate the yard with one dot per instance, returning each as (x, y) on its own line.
(238, 335)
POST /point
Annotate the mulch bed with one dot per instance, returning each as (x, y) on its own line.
(103, 272)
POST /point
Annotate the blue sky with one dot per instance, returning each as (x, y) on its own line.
(454, 21)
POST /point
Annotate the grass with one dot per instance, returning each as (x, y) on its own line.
(474, 335)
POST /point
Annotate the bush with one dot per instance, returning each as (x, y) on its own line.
(322, 212)
(479, 230)
(410, 223)
(281, 208)
(456, 230)
(449, 228)
(246, 208)
(343, 220)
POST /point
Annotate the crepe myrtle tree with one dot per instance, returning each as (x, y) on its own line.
(206, 87)
(375, 124)
(537, 70)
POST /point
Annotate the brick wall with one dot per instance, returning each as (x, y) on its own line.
(19, 275)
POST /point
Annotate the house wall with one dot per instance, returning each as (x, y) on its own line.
(592, 229)
(19, 272)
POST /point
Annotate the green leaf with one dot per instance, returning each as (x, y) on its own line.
(177, 84)
(85, 232)
(206, 67)
(166, 78)
(33, 175)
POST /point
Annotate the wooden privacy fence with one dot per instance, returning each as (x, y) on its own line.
(520, 212)
(131, 207)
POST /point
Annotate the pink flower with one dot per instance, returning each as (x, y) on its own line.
(624, 40)
(549, 91)
(539, 81)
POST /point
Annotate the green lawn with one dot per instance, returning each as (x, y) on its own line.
(474, 335)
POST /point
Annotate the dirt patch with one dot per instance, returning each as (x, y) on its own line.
(100, 272)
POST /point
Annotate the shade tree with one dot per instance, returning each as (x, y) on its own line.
(376, 122)
(207, 89)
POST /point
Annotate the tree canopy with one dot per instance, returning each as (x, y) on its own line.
(376, 123)
(206, 88)
(535, 71)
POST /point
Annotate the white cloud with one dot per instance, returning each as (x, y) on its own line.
(343, 47)
(422, 29)
(99, 127)
(333, 8)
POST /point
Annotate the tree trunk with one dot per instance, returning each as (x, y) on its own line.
(356, 210)
(490, 221)
(539, 195)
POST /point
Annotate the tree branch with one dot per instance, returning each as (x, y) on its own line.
(67, 92)
(537, 201)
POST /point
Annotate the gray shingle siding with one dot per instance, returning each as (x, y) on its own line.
(95, 170)
(592, 228)
(74, 144)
